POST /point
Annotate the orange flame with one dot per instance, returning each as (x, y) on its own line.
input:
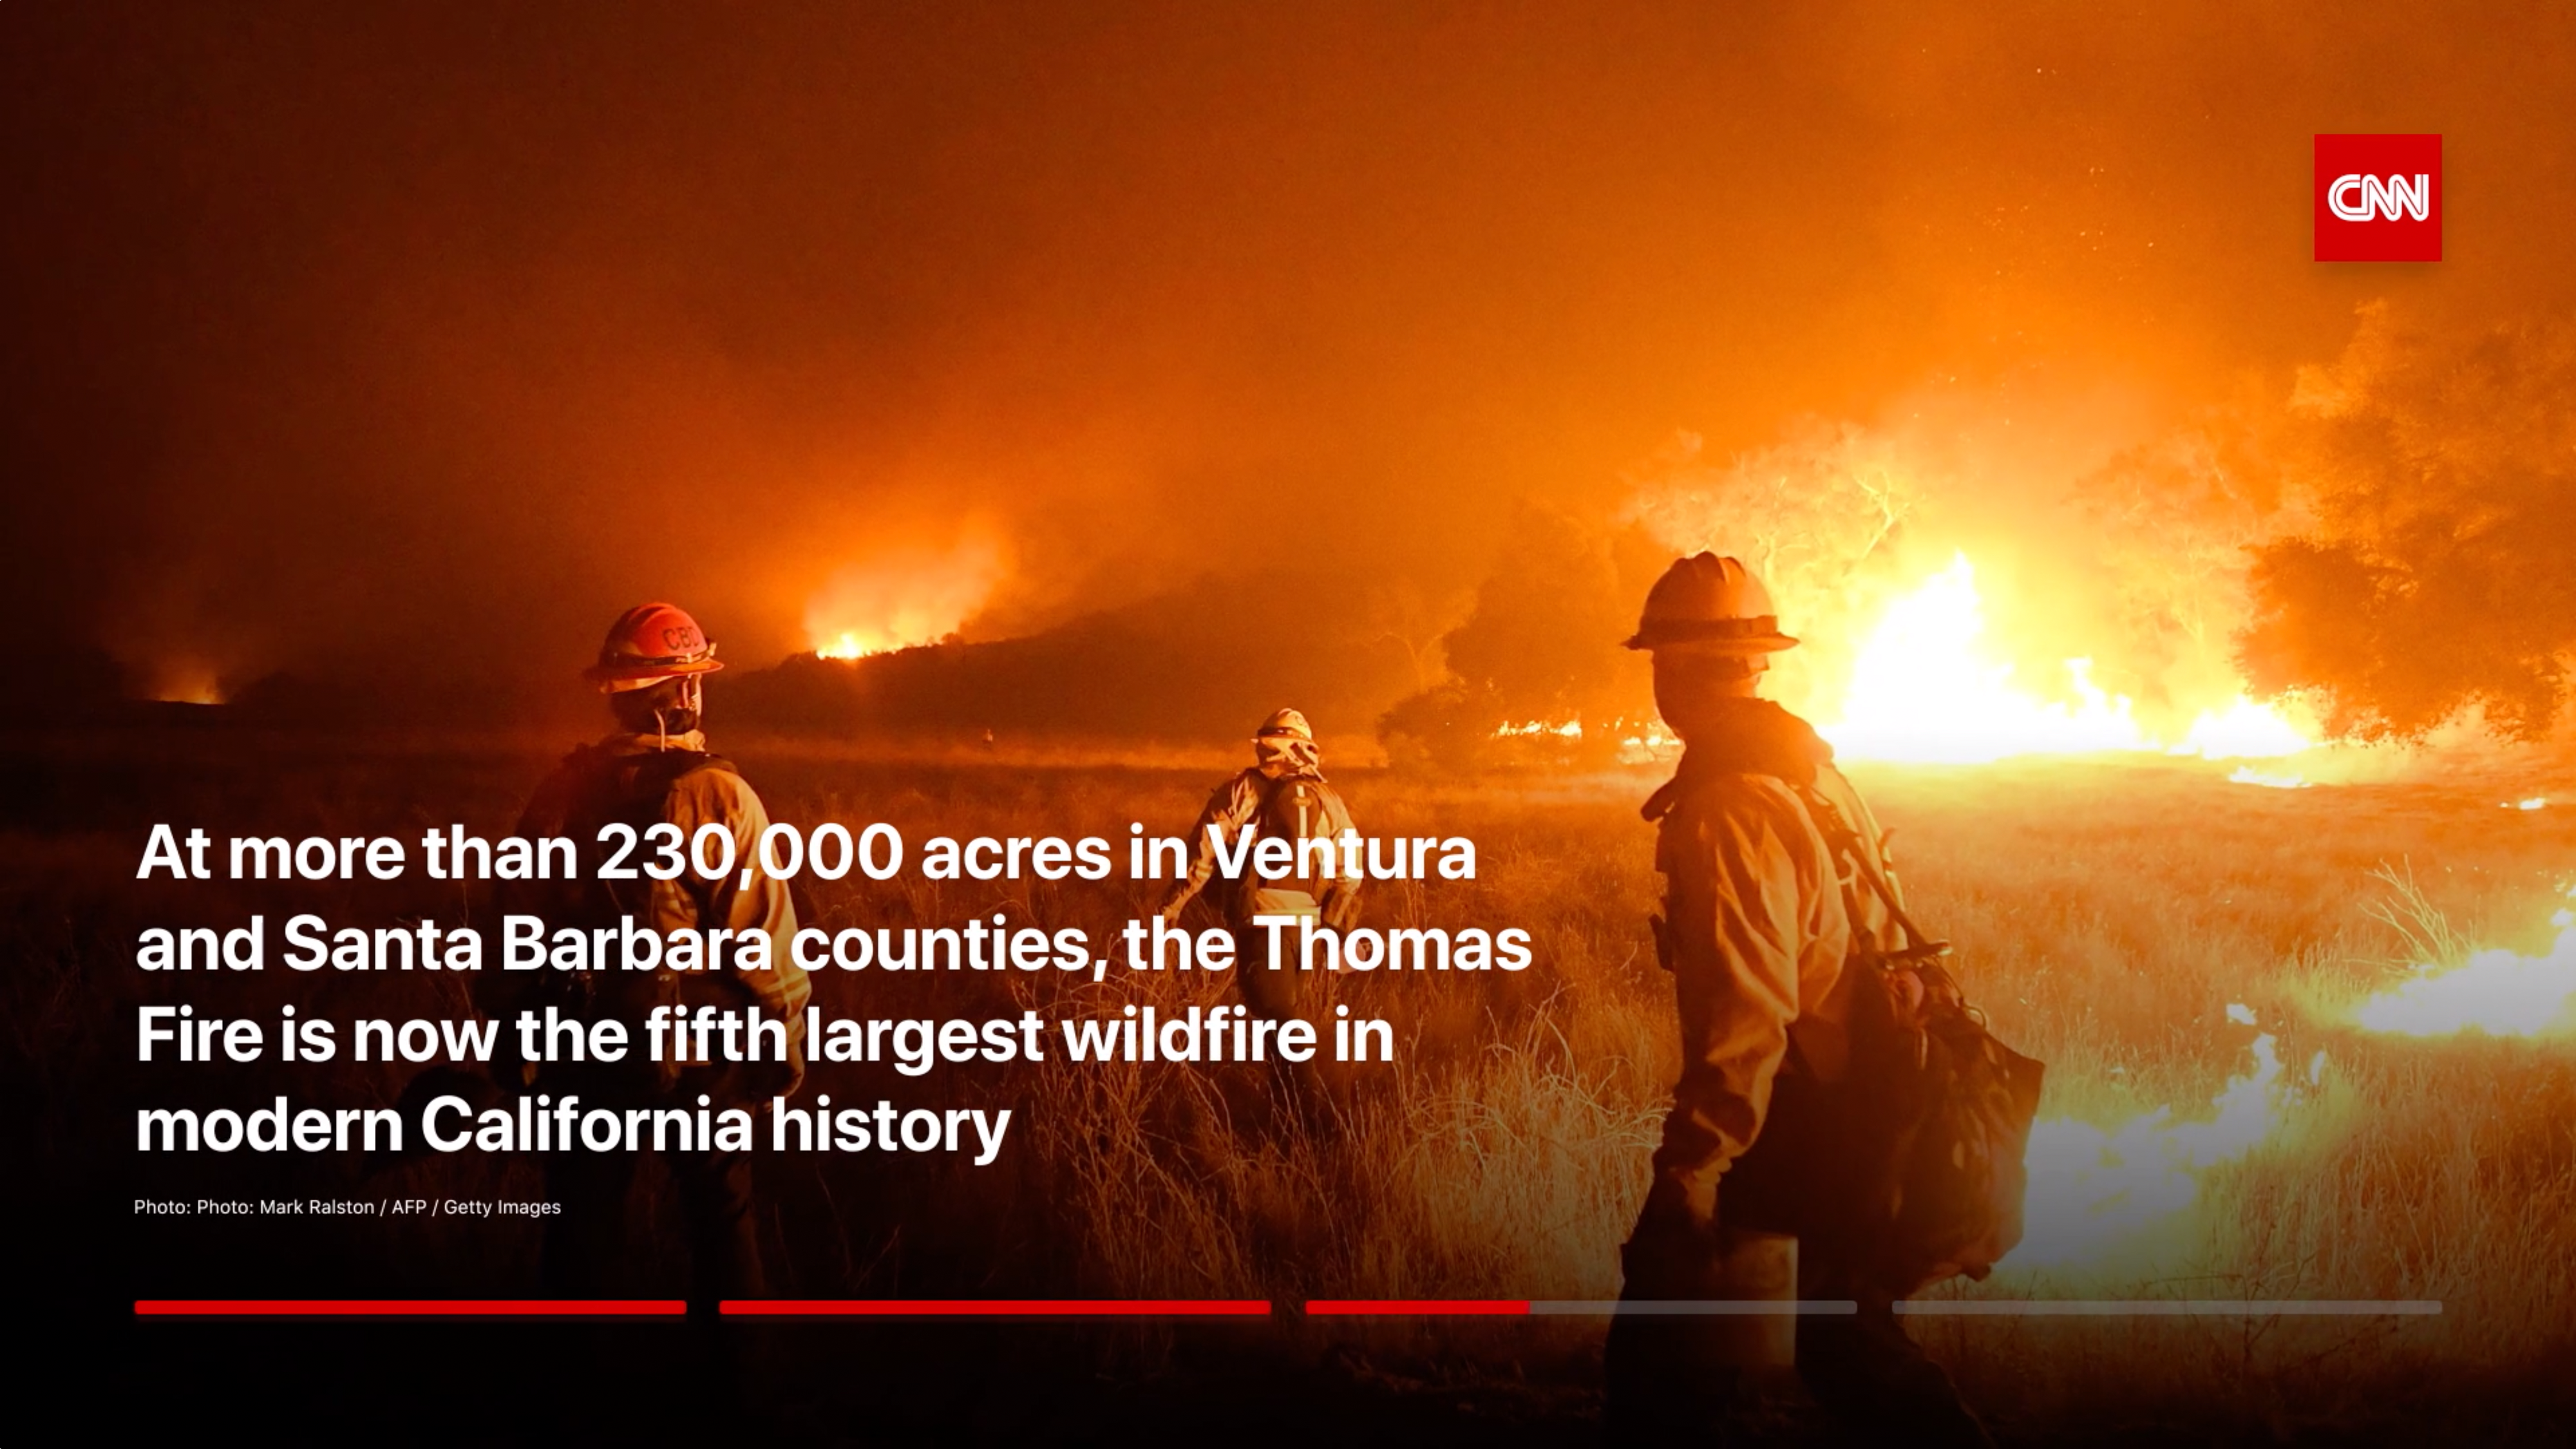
(1570, 729)
(2093, 1187)
(2495, 992)
(1922, 691)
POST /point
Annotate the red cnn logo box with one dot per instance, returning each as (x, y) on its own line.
(2379, 198)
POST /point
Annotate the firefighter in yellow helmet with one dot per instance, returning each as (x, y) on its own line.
(1284, 794)
(1752, 1173)
(653, 770)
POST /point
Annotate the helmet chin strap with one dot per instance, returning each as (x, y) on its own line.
(690, 704)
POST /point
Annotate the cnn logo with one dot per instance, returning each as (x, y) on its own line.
(2379, 198)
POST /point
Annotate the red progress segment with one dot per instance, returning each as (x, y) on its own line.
(410, 1308)
(997, 1307)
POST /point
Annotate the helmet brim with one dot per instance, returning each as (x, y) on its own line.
(647, 670)
(1701, 643)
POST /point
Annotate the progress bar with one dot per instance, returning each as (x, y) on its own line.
(2174, 1308)
(1261, 1308)
(1575, 1307)
(997, 1307)
(410, 1308)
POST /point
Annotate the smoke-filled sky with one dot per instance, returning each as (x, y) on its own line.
(424, 338)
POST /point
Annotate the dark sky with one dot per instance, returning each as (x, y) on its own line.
(426, 337)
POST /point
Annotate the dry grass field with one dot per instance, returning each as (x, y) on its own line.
(2107, 915)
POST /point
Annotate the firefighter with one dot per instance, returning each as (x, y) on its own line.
(1284, 795)
(653, 769)
(1770, 957)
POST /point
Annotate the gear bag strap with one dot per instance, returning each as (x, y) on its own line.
(1844, 840)
(633, 790)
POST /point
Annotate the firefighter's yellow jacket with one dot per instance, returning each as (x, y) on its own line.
(1757, 932)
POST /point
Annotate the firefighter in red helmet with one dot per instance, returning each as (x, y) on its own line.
(653, 769)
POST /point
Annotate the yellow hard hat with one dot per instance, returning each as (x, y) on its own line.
(1712, 604)
(1287, 722)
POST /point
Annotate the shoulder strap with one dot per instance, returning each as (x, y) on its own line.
(630, 790)
(1843, 839)
(1276, 798)
(656, 773)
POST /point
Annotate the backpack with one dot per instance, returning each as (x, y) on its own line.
(1294, 809)
(1948, 1105)
(632, 790)
(627, 790)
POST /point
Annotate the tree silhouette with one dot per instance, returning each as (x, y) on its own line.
(2440, 478)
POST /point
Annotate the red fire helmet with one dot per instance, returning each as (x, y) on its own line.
(648, 644)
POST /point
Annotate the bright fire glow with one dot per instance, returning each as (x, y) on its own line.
(1923, 691)
(1645, 742)
(2092, 1187)
(902, 597)
(2248, 775)
(2495, 992)
(2242, 731)
(186, 681)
